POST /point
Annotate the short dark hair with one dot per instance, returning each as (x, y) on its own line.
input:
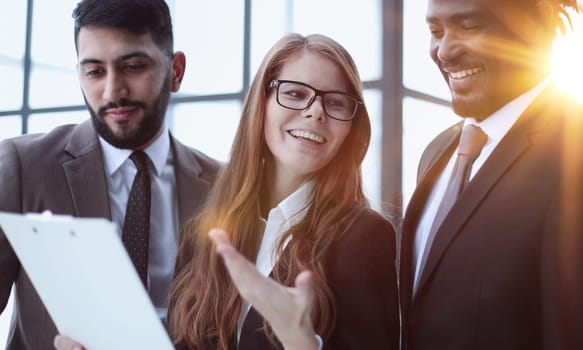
(136, 16)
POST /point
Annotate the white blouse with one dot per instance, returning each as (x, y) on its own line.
(280, 219)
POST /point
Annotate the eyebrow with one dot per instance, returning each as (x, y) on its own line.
(458, 17)
(138, 54)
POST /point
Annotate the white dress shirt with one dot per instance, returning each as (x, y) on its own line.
(164, 235)
(495, 126)
(280, 219)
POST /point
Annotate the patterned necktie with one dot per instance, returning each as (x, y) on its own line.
(471, 142)
(136, 228)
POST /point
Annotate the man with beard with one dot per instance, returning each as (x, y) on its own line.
(127, 71)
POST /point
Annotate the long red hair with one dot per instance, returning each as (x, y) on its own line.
(204, 303)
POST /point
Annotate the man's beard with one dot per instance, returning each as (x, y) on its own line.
(146, 130)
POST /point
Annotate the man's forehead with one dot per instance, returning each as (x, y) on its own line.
(112, 43)
(115, 32)
(455, 10)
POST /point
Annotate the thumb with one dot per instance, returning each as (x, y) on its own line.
(62, 342)
(303, 284)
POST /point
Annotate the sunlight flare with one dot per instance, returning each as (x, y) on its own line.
(567, 60)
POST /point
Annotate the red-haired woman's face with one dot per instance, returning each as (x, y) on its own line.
(304, 141)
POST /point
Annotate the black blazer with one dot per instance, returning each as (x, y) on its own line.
(63, 171)
(506, 267)
(360, 267)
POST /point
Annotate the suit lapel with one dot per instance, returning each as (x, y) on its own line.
(88, 185)
(507, 152)
(85, 173)
(190, 187)
(432, 164)
(439, 154)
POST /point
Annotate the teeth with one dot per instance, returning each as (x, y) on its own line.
(307, 135)
(464, 73)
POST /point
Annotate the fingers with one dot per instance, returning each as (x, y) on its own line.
(237, 265)
(287, 309)
(219, 237)
(257, 289)
(62, 342)
(251, 284)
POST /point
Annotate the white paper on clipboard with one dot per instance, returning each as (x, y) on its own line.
(86, 280)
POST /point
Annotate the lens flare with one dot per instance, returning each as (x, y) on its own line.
(567, 60)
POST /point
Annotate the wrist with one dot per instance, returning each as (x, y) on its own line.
(311, 342)
(304, 339)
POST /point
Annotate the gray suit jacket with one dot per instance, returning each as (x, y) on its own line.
(63, 172)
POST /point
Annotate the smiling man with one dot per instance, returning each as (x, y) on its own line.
(127, 72)
(492, 240)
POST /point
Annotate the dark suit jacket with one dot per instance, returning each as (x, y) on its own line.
(506, 267)
(63, 171)
(360, 267)
(361, 273)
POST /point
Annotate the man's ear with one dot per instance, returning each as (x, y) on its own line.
(178, 69)
(547, 15)
(544, 25)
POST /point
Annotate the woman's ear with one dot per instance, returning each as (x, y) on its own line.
(178, 69)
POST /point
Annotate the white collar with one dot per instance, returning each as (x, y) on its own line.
(157, 151)
(294, 206)
(498, 123)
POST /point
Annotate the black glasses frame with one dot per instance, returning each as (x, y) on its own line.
(275, 83)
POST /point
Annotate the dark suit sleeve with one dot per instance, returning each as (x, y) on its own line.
(362, 276)
(9, 201)
(562, 265)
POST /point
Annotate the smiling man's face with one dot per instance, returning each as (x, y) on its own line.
(485, 52)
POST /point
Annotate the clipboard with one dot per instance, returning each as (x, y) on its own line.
(85, 278)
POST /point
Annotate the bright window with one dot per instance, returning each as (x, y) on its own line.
(224, 44)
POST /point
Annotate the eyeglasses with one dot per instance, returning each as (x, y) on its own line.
(299, 96)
